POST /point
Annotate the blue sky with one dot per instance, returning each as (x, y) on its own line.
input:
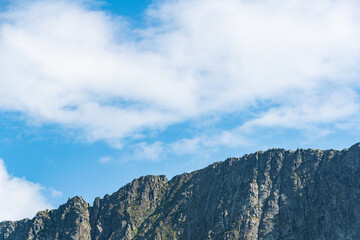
(96, 93)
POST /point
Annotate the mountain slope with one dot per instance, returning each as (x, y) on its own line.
(277, 194)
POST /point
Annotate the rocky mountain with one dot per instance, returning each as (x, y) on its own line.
(277, 194)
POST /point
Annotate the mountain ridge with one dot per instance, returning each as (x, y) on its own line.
(273, 194)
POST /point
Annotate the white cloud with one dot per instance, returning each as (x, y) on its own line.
(300, 112)
(19, 198)
(63, 63)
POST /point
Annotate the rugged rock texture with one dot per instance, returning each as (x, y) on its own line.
(277, 194)
(70, 221)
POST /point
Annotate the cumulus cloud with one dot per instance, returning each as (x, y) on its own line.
(64, 63)
(20, 198)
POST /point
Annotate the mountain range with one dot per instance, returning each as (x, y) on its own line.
(274, 194)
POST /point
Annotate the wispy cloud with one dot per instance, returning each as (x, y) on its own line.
(229, 138)
(311, 108)
(63, 63)
(105, 160)
(146, 151)
(55, 193)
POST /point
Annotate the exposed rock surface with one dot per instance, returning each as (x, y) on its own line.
(277, 194)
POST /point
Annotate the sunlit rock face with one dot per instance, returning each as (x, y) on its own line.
(277, 194)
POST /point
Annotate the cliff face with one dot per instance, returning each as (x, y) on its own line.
(277, 194)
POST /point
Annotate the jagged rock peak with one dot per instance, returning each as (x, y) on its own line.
(76, 200)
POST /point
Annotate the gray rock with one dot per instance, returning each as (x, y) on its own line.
(69, 221)
(277, 194)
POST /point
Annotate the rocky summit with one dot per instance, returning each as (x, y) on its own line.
(276, 194)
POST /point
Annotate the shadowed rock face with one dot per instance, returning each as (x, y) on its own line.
(277, 194)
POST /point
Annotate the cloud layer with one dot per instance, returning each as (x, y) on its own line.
(64, 63)
(20, 198)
